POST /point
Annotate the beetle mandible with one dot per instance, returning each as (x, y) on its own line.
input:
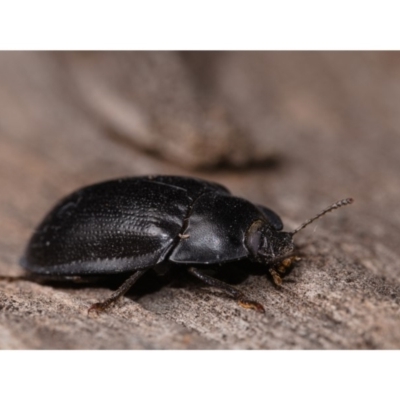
(135, 224)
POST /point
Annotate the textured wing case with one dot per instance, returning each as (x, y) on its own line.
(110, 227)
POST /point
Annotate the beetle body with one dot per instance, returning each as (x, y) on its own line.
(134, 224)
(130, 224)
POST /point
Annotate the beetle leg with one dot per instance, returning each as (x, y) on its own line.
(281, 269)
(236, 294)
(286, 263)
(101, 306)
(276, 277)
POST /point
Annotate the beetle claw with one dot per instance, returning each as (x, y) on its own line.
(96, 309)
(250, 304)
(276, 277)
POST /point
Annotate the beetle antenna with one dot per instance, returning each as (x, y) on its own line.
(334, 206)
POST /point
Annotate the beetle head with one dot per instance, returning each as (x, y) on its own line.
(266, 244)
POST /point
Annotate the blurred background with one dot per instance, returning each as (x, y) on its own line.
(295, 131)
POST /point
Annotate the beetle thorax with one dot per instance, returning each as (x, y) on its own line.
(266, 244)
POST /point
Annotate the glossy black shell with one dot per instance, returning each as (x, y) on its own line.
(135, 223)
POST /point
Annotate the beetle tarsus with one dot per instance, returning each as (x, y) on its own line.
(96, 309)
(253, 305)
(101, 306)
(276, 277)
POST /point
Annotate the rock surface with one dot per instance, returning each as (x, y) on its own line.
(294, 131)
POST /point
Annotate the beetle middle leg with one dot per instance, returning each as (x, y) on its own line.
(101, 306)
(235, 293)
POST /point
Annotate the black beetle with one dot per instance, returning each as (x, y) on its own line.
(134, 224)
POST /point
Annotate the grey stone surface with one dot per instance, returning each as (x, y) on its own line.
(294, 131)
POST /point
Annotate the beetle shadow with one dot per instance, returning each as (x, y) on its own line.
(156, 278)
(232, 273)
(150, 282)
(237, 272)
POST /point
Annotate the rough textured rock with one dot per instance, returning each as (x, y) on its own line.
(294, 131)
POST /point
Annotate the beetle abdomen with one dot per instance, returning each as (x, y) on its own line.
(109, 227)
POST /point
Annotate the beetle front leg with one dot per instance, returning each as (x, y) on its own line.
(281, 269)
(101, 306)
(276, 277)
(231, 291)
(286, 263)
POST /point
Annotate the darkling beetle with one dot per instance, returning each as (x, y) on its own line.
(135, 224)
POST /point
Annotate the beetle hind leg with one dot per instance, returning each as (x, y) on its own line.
(101, 306)
(239, 296)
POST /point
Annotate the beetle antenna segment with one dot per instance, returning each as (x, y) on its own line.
(334, 206)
